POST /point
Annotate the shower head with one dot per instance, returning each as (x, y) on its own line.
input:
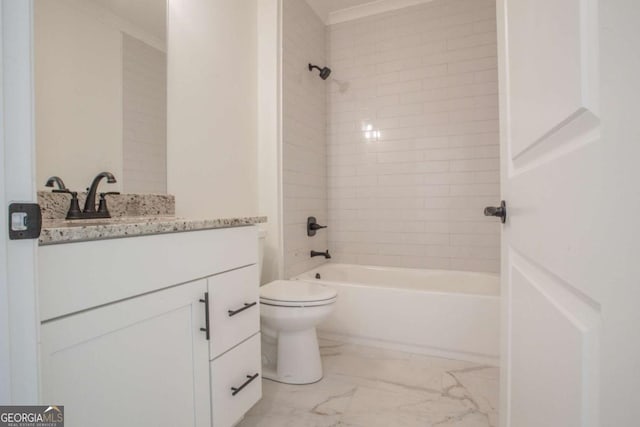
(324, 72)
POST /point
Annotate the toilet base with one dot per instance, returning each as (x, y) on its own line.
(298, 357)
(272, 375)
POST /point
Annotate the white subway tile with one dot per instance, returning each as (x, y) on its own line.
(475, 190)
(424, 79)
(467, 65)
(304, 134)
(400, 157)
(478, 39)
(475, 165)
(489, 138)
(472, 240)
(485, 26)
(400, 110)
(398, 88)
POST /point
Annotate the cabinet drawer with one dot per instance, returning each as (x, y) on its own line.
(236, 382)
(86, 270)
(232, 316)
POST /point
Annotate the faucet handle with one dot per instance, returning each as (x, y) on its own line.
(102, 205)
(74, 211)
(313, 226)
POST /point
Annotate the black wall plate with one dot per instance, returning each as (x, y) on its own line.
(25, 221)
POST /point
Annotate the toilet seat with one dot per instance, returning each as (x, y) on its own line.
(298, 304)
(287, 293)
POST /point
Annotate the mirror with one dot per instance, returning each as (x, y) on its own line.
(100, 92)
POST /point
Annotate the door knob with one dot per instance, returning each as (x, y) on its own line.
(499, 211)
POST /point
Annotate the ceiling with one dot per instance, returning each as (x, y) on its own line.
(324, 7)
(335, 11)
(148, 15)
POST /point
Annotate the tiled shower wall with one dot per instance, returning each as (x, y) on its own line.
(412, 137)
(303, 135)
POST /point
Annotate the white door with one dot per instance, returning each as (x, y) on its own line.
(570, 85)
(139, 362)
(18, 313)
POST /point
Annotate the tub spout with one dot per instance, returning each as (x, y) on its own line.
(324, 254)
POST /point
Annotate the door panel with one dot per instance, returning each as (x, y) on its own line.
(552, 171)
(554, 345)
(553, 72)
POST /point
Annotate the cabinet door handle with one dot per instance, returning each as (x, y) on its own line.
(206, 329)
(236, 390)
(246, 305)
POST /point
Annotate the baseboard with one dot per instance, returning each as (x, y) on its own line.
(408, 348)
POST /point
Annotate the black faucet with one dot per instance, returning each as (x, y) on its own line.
(324, 254)
(90, 203)
(89, 211)
(58, 181)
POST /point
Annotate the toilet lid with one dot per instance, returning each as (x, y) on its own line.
(296, 291)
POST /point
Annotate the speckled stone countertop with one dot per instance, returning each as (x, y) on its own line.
(56, 205)
(56, 231)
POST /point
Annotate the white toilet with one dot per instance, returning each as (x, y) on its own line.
(289, 313)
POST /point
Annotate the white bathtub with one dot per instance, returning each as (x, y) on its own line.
(451, 314)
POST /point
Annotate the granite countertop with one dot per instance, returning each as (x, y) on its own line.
(56, 231)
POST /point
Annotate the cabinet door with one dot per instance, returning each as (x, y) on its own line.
(139, 362)
(234, 306)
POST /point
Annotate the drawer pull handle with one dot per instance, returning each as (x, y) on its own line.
(206, 329)
(246, 305)
(236, 390)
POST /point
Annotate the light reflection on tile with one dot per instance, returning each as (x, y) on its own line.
(369, 387)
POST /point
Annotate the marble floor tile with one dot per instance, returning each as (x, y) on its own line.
(371, 387)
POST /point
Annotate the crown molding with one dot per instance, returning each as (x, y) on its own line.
(368, 9)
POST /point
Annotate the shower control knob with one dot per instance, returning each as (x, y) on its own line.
(499, 211)
(313, 226)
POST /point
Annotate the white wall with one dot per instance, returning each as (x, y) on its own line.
(144, 118)
(303, 133)
(78, 60)
(425, 79)
(269, 137)
(212, 112)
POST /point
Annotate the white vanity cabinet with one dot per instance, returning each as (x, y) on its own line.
(140, 362)
(124, 329)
